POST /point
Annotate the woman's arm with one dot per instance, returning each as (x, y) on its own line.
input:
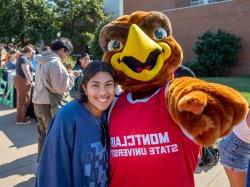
(25, 68)
(54, 165)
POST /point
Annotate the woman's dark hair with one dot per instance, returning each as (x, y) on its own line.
(78, 63)
(90, 71)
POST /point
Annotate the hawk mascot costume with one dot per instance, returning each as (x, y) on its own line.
(158, 122)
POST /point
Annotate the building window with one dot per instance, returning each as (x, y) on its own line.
(114, 6)
(203, 2)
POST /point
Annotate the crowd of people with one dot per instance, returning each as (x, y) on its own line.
(42, 79)
(73, 141)
(9, 54)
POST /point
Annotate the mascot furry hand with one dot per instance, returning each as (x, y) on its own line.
(157, 109)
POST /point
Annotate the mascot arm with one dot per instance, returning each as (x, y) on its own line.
(206, 110)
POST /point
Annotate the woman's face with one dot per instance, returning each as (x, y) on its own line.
(84, 61)
(100, 91)
(12, 57)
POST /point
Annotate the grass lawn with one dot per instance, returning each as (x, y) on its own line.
(241, 84)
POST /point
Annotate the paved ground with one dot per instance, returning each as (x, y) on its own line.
(18, 152)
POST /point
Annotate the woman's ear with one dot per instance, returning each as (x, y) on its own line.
(84, 89)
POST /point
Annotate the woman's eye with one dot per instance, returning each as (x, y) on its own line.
(160, 33)
(109, 85)
(95, 85)
(114, 45)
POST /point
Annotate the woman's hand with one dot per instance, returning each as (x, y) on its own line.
(75, 73)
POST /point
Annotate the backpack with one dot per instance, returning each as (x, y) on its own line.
(210, 156)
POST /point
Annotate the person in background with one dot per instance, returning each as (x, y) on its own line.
(37, 55)
(3, 55)
(52, 84)
(75, 151)
(34, 61)
(32, 58)
(22, 84)
(12, 60)
(7, 47)
(81, 63)
(45, 49)
(235, 153)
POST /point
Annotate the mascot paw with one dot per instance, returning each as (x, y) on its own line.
(194, 102)
(205, 110)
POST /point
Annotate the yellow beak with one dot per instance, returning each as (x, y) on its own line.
(139, 44)
(142, 58)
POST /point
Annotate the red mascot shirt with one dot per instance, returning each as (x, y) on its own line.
(147, 148)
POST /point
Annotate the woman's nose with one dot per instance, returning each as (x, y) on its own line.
(103, 90)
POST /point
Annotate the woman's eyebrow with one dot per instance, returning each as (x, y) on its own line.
(109, 81)
(97, 82)
(94, 82)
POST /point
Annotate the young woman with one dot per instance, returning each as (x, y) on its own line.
(235, 153)
(74, 153)
(22, 83)
(12, 60)
(81, 63)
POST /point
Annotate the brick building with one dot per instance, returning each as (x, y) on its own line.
(191, 18)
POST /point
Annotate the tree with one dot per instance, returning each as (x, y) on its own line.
(27, 21)
(42, 25)
(33, 21)
(216, 53)
(95, 48)
(78, 20)
(7, 20)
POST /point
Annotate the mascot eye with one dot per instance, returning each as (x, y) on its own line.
(160, 33)
(114, 45)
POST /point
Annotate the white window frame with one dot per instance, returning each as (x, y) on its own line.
(202, 2)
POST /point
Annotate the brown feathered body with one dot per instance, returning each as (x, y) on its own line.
(144, 55)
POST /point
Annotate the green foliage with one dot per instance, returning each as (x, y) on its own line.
(95, 49)
(70, 63)
(27, 21)
(7, 19)
(42, 25)
(241, 84)
(198, 69)
(79, 19)
(36, 21)
(216, 53)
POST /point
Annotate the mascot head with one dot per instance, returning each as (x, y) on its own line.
(141, 49)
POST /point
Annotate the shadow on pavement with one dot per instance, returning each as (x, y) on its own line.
(30, 183)
(21, 166)
(19, 135)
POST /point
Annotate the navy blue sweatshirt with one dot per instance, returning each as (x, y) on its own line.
(73, 153)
